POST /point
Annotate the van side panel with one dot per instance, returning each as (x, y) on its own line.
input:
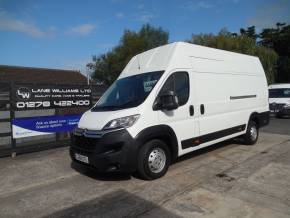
(228, 100)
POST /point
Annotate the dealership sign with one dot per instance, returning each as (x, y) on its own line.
(28, 97)
(26, 127)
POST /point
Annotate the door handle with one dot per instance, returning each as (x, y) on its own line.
(202, 110)
(191, 110)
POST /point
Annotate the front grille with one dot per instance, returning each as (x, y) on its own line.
(84, 144)
(276, 107)
(94, 145)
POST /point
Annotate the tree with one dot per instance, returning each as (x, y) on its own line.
(241, 44)
(266, 45)
(107, 67)
(249, 32)
(278, 38)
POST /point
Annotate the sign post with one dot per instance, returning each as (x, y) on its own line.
(12, 115)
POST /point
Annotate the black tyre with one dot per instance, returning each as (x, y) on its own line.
(252, 133)
(153, 160)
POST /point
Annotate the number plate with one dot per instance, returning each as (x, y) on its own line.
(82, 158)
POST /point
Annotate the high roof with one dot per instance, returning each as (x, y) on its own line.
(40, 75)
(186, 55)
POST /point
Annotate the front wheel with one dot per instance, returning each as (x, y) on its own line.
(153, 160)
(252, 133)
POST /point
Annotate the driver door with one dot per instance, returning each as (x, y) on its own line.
(181, 120)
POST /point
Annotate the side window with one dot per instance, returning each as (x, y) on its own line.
(179, 83)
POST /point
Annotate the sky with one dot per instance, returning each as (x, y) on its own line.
(65, 34)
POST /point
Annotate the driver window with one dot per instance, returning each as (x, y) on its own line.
(179, 83)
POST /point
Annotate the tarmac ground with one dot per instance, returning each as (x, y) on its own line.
(228, 179)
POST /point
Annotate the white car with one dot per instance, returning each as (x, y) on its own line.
(279, 99)
(170, 101)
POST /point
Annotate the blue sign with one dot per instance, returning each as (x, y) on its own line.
(25, 127)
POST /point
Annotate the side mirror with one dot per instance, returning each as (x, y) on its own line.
(168, 101)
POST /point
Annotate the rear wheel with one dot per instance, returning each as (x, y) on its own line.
(252, 133)
(153, 160)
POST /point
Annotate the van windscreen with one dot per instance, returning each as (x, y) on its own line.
(279, 93)
(128, 92)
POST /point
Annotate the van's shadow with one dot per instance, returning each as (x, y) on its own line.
(94, 174)
(119, 203)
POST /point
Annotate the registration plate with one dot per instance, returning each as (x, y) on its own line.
(274, 111)
(82, 158)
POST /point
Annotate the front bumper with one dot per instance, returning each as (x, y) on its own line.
(279, 109)
(115, 151)
(284, 112)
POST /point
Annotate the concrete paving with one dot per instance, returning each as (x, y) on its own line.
(224, 180)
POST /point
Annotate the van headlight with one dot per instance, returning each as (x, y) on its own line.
(122, 122)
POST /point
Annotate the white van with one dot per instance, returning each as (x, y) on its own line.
(170, 101)
(279, 99)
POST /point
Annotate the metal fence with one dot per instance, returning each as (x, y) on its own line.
(11, 146)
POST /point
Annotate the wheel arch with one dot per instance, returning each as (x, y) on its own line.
(261, 119)
(162, 132)
(255, 117)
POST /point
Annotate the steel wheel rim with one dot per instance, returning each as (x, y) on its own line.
(253, 133)
(157, 160)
